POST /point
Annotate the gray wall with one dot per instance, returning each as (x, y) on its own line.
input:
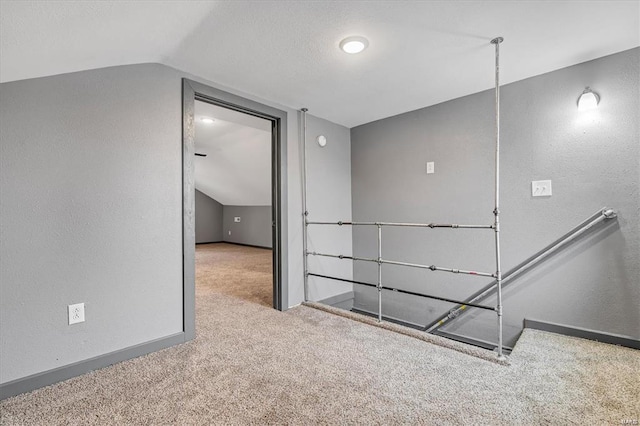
(329, 199)
(91, 204)
(253, 229)
(592, 158)
(208, 219)
(90, 177)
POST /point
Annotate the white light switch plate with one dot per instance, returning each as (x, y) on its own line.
(236, 219)
(541, 188)
(430, 167)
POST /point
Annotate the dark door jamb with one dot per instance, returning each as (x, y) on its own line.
(192, 91)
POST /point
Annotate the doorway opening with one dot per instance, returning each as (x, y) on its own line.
(234, 199)
(233, 219)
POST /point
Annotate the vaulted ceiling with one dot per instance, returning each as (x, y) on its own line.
(420, 52)
(237, 168)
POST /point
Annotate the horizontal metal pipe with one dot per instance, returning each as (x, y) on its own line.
(311, 274)
(596, 218)
(411, 265)
(341, 256)
(438, 268)
(414, 225)
(397, 290)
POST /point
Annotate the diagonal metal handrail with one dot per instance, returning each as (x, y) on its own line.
(596, 218)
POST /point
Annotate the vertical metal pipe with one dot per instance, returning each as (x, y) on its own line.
(379, 273)
(305, 213)
(496, 212)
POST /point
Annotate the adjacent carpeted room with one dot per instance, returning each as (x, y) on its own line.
(234, 270)
(251, 364)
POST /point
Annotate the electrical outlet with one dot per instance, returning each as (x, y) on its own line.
(76, 313)
(236, 219)
(541, 188)
(229, 232)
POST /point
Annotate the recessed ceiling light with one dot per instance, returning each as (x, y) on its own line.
(354, 44)
(207, 120)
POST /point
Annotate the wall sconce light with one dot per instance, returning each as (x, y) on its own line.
(588, 100)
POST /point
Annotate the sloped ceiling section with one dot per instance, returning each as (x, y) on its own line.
(40, 38)
(237, 168)
(420, 53)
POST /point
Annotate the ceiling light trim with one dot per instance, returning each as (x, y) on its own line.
(354, 44)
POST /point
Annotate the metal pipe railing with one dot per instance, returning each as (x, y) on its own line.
(596, 218)
(496, 41)
(343, 256)
(411, 265)
(403, 224)
(305, 213)
(438, 268)
(397, 290)
(379, 273)
(380, 261)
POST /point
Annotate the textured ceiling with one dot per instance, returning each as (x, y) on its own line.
(237, 168)
(420, 53)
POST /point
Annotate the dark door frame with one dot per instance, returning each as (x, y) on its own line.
(192, 91)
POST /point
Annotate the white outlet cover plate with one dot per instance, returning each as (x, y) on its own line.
(430, 167)
(76, 313)
(541, 188)
(236, 219)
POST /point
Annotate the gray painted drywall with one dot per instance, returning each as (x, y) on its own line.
(90, 180)
(208, 219)
(329, 199)
(254, 228)
(91, 202)
(592, 158)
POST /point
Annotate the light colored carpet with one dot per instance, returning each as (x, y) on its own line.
(253, 365)
(234, 270)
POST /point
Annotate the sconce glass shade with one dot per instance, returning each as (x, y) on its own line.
(588, 100)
